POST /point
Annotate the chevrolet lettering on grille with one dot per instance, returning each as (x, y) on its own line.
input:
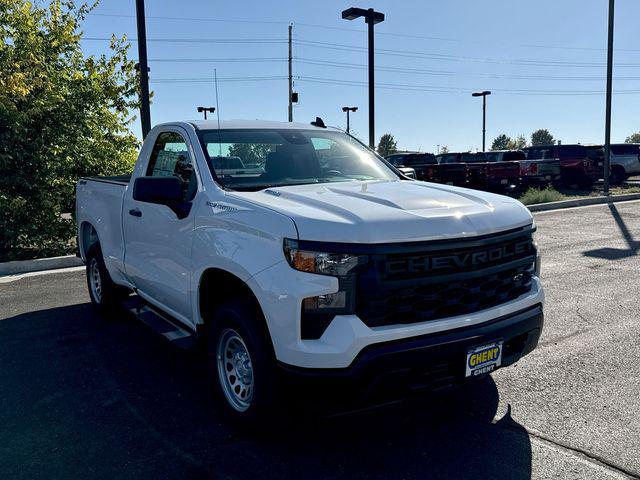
(459, 261)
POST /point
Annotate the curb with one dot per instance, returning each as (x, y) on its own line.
(26, 266)
(581, 202)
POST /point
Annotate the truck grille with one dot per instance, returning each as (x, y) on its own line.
(444, 279)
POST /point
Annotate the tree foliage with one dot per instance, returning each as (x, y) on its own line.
(517, 143)
(542, 137)
(62, 116)
(444, 149)
(251, 153)
(387, 145)
(633, 138)
(501, 142)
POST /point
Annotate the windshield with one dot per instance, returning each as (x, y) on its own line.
(255, 159)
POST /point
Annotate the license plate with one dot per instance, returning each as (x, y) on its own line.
(547, 177)
(504, 181)
(484, 359)
(449, 183)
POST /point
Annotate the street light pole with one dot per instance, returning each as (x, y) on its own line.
(484, 114)
(145, 113)
(607, 124)
(371, 17)
(349, 109)
(205, 110)
(290, 111)
(372, 116)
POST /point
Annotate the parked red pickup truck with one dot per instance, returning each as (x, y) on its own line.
(428, 169)
(539, 172)
(484, 174)
(576, 165)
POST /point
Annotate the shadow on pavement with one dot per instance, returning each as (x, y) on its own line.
(608, 253)
(85, 397)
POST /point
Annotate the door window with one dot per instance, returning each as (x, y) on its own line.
(170, 157)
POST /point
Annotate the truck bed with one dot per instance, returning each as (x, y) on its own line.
(117, 179)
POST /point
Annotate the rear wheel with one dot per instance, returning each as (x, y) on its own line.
(241, 363)
(104, 293)
(618, 175)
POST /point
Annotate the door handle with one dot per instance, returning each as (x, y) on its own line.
(135, 212)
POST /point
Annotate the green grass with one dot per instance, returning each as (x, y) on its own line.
(535, 195)
(624, 190)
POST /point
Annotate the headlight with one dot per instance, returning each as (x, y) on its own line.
(322, 263)
(537, 265)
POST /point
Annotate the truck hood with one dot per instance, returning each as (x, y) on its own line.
(390, 211)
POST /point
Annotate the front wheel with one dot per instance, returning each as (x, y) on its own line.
(241, 363)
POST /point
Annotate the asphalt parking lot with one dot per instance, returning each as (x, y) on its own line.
(85, 397)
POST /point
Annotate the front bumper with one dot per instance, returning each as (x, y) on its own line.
(392, 370)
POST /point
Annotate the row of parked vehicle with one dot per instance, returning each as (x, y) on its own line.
(559, 165)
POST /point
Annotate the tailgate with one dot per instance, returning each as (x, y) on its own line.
(548, 167)
(454, 173)
(500, 170)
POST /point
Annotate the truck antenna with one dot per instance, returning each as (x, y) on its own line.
(215, 77)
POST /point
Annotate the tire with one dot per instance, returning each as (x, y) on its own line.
(585, 183)
(618, 176)
(241, 364)
(104, 293)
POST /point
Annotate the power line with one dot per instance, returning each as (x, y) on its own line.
(393, 86)
(419, 71)
(449, 57)
(193, 19)
(381, 51)
(356, 30)
(221, 60)
(438, 88)
(199, 40)
(220, 79)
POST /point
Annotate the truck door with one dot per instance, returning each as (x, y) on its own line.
(158, 240)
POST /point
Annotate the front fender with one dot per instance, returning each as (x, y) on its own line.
(238, 237)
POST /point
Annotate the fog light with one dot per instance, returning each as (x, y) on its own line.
(331, 300)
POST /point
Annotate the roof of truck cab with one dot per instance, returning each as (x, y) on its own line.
(252, 124)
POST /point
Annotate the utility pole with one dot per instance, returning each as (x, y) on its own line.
(205, 110)
(145, 113)
(290, 75)
(484, 114)
(371, 17)
(348, 110)
(607, 121)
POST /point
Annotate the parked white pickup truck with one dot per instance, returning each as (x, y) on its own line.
(291, 250)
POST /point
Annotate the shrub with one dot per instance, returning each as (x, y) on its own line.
(535, 195)
(62, 115)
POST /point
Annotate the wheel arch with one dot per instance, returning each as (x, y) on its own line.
(216, 287)
(88, 236)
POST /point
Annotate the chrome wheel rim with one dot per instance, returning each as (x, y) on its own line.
(235, 370)
(95, 281)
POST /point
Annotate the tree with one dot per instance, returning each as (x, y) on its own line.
(387, 145)
(501, 142)
(444, 149)
(517, 143)
(633, 138)
(62, 116)
(251, 153)
(542, 137)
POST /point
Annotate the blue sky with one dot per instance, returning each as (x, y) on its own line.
(544, 61)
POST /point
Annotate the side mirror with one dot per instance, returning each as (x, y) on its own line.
(161, 190)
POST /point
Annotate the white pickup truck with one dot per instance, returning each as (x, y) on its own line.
(292, 250)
